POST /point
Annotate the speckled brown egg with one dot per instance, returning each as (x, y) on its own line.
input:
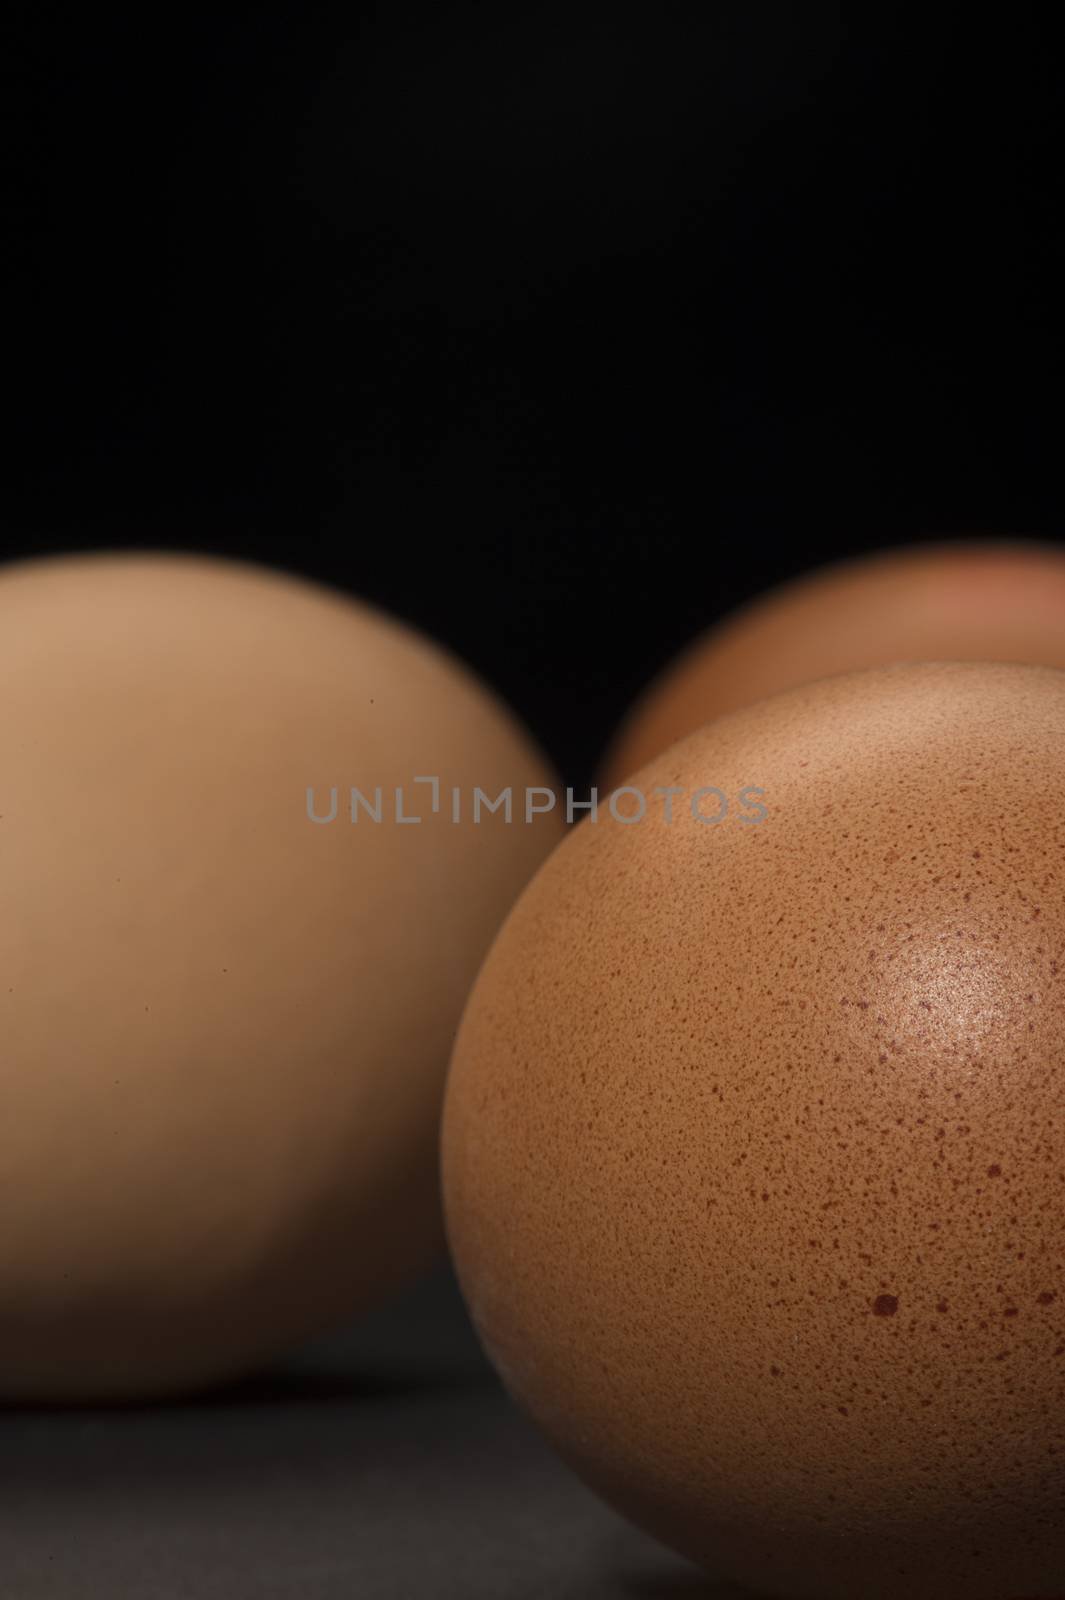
(941, 602)
(754, 1155)
(227, 993)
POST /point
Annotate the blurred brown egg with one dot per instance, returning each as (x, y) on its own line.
(754, 1159)
(226, 1013)
(946, 602)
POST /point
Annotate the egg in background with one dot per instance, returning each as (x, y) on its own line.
(225, 1026)
(754, 1160)
(975, 601)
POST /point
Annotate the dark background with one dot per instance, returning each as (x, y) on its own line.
(556, 331)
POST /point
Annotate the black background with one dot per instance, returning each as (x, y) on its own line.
(556, 331)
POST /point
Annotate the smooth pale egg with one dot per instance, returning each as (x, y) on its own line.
(228, 995)
(941, 602)
(754, 1159)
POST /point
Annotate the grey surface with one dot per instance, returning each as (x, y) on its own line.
(387, 1464)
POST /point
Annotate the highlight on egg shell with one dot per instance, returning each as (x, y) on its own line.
(754, 1160)
(994, 600)
(225, 1013)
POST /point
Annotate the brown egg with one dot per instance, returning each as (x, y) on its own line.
(754, 1159)
(951, 602)
(225, 1026)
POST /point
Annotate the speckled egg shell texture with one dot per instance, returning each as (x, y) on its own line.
(754, 1151)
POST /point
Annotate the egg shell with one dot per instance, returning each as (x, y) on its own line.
(971, 601)
(754, 1158)
(225, 1026)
